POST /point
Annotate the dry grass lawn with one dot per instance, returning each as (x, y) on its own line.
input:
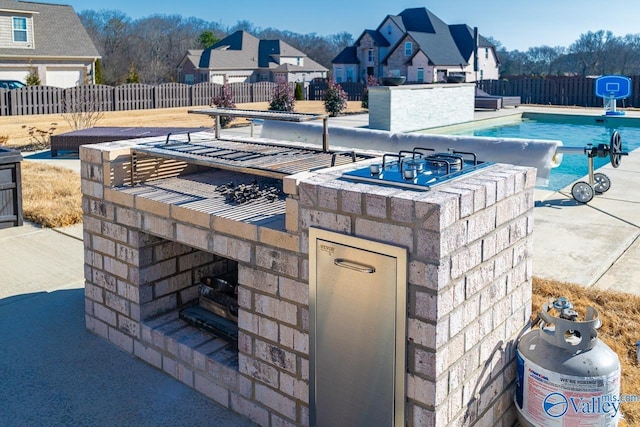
(51, 195)
(52, 198)
(16, 128)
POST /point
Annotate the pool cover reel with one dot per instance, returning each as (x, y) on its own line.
(583, 191)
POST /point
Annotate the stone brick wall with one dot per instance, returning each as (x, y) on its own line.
(469, 275)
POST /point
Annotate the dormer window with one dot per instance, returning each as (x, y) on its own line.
(389, 29)
(20, 30)
(408, 49)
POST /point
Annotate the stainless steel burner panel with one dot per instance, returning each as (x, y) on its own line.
(420, 168)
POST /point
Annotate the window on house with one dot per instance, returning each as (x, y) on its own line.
(408, 49)
(349, 74)
(370, 55)
(421, 75)
(388, 29)
(189, 79)
(298, 61)
(338, 75)
(486, 53)
(20, 30)
(481, 75)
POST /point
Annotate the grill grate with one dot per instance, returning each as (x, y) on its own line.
(257, 158)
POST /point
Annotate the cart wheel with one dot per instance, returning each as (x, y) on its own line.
(602, 183)
(615, 148)
(582, 192)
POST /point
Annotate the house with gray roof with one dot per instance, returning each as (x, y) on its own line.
(420, 46)
(242, 57)
(47, 39)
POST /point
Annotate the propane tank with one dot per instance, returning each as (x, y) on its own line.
(566, 376)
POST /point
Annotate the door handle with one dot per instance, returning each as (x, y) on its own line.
(362, 268)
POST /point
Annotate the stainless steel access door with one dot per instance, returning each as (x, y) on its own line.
(357, 331)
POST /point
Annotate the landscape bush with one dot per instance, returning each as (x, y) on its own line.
(282, 98)
(299, 92)
(335, 99)
(225, 100)
(371, 81)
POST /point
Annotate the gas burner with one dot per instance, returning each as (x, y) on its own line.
(421, 168)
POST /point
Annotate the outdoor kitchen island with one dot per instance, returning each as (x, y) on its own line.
(155, 226)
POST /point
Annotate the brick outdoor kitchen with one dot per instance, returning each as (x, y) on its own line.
(469, 270)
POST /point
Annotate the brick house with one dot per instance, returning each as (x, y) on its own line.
(47, 39)
(419, 45)
(242, 57)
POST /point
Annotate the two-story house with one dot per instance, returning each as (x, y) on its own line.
(242, 57)
(420, 46)
(47, 39)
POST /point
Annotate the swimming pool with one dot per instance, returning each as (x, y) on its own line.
(573, 131)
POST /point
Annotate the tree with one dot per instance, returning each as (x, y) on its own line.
(207, 39)
(590, 50)
(97, 77)
(541, 60)
(299, 92)
(335, 99)
(282, 98)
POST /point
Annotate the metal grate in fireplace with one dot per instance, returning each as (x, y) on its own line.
(217, 308)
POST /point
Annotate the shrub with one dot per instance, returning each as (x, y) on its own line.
(32, 78)
(133, 76)
(299, 92)
(98, 72)
(282, 98)
(335, 99)
(371, 81)
(225, 100)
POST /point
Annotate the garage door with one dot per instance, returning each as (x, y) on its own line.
(63, 78)
(237, 79)
(19, 74)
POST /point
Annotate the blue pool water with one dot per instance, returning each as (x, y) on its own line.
(573, 166)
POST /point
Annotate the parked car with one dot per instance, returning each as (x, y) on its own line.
(11, 84)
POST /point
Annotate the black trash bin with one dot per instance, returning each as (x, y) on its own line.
(10, 188)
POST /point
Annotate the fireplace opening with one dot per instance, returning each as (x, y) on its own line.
(216, 309)
(188, 307)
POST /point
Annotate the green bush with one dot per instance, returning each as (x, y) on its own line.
(282, 98)
(133, 76)
(299, 93)
(33, 79)
(98, 72)
(335, 99)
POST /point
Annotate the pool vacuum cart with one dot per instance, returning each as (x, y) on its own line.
(583, 191)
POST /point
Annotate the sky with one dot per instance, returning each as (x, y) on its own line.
(516, 24)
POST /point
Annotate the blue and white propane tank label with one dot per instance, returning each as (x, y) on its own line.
(550, 399)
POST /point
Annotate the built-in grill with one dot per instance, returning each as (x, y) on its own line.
(420, 168)
(255, 158)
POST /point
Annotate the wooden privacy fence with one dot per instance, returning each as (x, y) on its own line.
(569, 91)
(317, 89)
(55, 100)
